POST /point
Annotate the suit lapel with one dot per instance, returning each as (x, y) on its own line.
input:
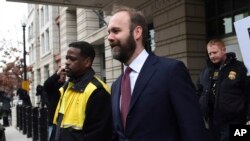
(146, 73)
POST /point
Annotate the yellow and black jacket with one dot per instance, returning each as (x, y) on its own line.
(84, 110)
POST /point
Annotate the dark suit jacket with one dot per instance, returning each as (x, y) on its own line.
(164, 106)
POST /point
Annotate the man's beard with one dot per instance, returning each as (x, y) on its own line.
(125, 50)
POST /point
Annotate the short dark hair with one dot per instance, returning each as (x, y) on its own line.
(137, 18)
(87, 50)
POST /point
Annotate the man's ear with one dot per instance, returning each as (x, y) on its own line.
(224, 49)
(138, 32)
(87, 62)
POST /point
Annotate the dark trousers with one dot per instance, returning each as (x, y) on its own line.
(218, 133)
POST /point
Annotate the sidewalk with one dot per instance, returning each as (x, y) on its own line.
(13, 134)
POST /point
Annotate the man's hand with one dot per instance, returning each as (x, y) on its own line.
(60, 70)
(248, 122)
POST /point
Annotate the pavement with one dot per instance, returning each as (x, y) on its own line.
(13, 134)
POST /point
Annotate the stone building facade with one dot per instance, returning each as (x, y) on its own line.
(178, 29)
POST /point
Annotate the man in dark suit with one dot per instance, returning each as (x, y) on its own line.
(161, 104)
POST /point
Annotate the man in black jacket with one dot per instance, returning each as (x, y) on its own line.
(51, 87)
(223, 90)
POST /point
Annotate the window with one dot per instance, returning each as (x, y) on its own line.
(47, 48)
(240, 16)
(30, 7)
(42, 44)
(32, 53)
(30, 31)
(46, 14)
(228, 25)
(221, 14)
(151, 38)
(224, 6)
(100, 15)
(45, 39)
(101, 19)
(46, 71)
(42, 17)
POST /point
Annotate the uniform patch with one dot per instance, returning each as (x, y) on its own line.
(216, 75)
(232, 75)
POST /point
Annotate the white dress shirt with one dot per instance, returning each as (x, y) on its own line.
(136, 66)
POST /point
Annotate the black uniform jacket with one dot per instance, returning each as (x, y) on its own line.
(231, 104)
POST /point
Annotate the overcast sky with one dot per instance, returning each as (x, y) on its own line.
(11, 15)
